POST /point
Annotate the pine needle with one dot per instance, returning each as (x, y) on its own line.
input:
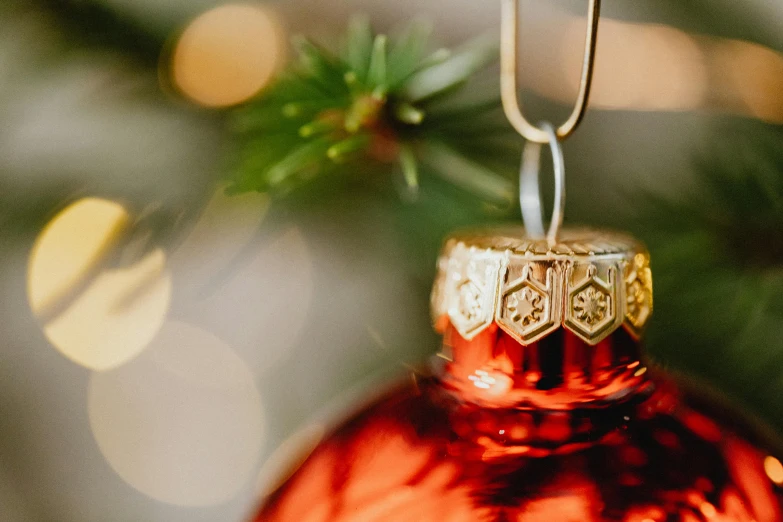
(378, 102)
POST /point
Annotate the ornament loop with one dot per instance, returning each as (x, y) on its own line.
(509, 69)
(529, 192)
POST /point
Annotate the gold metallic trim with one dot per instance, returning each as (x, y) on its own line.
(638, 294)
(589, 282)
(471, 285)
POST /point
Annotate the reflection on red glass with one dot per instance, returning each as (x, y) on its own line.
(557, 431)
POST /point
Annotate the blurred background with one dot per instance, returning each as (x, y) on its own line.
(168, 349)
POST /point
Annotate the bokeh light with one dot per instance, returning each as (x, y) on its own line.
(72, 242)
(654, 67)
(96, 316)
(754, 74)
(639, 66)
(261, 304)
(223, 230)
(774, 470)
(228, 54)
(183, 422)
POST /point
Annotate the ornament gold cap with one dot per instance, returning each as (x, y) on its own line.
(590, 282)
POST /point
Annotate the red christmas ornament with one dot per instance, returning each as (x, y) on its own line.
(542, 409)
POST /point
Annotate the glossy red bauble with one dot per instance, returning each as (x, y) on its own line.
(556, 431)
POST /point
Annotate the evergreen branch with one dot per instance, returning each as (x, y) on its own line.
(381, 101)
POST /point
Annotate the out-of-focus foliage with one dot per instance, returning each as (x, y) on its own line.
(382, 101)
(82, 119)
(718, 254)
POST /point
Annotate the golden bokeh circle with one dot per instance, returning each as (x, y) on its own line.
(270, 286)
(227, 54)
(223, 231)
(99, 317)
(183, 422)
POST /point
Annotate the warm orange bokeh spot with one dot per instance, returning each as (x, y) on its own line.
(774, 470)
(227, 55)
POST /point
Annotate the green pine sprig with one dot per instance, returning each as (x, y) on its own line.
(384, 104)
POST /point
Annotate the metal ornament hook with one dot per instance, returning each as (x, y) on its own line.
(508, 74)
(529, 193)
